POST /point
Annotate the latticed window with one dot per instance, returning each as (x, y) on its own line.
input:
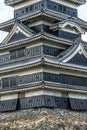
(5, 82)
(13, 81)
(9, 82)
(17, 53)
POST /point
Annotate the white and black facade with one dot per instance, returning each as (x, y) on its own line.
(43, 60)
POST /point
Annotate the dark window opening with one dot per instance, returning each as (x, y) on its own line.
(64, 9)
(60, 7)
(22, 11)
(31, 8)
(17, 53)
(27, 9)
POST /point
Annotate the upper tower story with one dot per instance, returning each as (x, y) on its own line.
(56, 17)
(68, 7)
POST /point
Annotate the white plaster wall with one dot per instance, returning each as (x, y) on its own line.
(78, 95)
(35, 23)
(26, 3)
(43, 92)
(9, 96)
(34, 45)
(4, 53)
(27, 72)
(38, 70)
(58, 71)
(51, 44)
(70, 31)
(32, 71)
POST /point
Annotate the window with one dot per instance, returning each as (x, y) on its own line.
(9, 81)
(64, 9)
(13, 81)
(22, 11)
(31, 8)
(17, 53)
(27, 9)
(5, 82)
(60, 7)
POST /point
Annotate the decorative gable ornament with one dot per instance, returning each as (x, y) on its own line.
(18, 28)
(72, 51)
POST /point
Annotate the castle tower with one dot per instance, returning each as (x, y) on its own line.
(43, 61)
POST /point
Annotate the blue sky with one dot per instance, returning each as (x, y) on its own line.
(7, 13)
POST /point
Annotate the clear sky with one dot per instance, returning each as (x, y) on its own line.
(7, 13)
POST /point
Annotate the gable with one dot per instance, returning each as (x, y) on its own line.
(18, 32)
(78, 59)
(17, 36)
(76, 55)
(71, 26)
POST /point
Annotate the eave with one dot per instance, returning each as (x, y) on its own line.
(15, 2)
(78, 2)
(7, 26)
(44, 85)
(43, 61)
(20, 65)
(66, 66)
(53, 15)
(40, 36)
(12, 2)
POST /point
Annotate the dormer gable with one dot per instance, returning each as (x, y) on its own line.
(18, 32)
(68, 25)
(76, 55)
(71, 27)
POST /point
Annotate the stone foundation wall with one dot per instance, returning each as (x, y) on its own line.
(43, 119)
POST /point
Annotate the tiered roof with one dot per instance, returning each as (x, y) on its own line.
(26, 48)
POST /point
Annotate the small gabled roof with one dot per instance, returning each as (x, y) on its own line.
(68, 22)
(18, 27)
(77, 47)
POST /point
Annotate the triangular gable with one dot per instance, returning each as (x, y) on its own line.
(78, 59)
(18, 32)
(75, 55)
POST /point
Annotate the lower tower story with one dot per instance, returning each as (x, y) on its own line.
(43, 87)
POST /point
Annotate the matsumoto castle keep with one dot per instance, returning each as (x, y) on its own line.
(43, 60)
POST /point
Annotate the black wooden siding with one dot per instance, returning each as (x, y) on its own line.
(8, 105)
(78, 104)
(10, 82)
(18, 53)
(45, 4)
(29, 52)
(66, 79)
(43, 101)
(17, 36)
(78, 59)
(58, 33)
(68, 35)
